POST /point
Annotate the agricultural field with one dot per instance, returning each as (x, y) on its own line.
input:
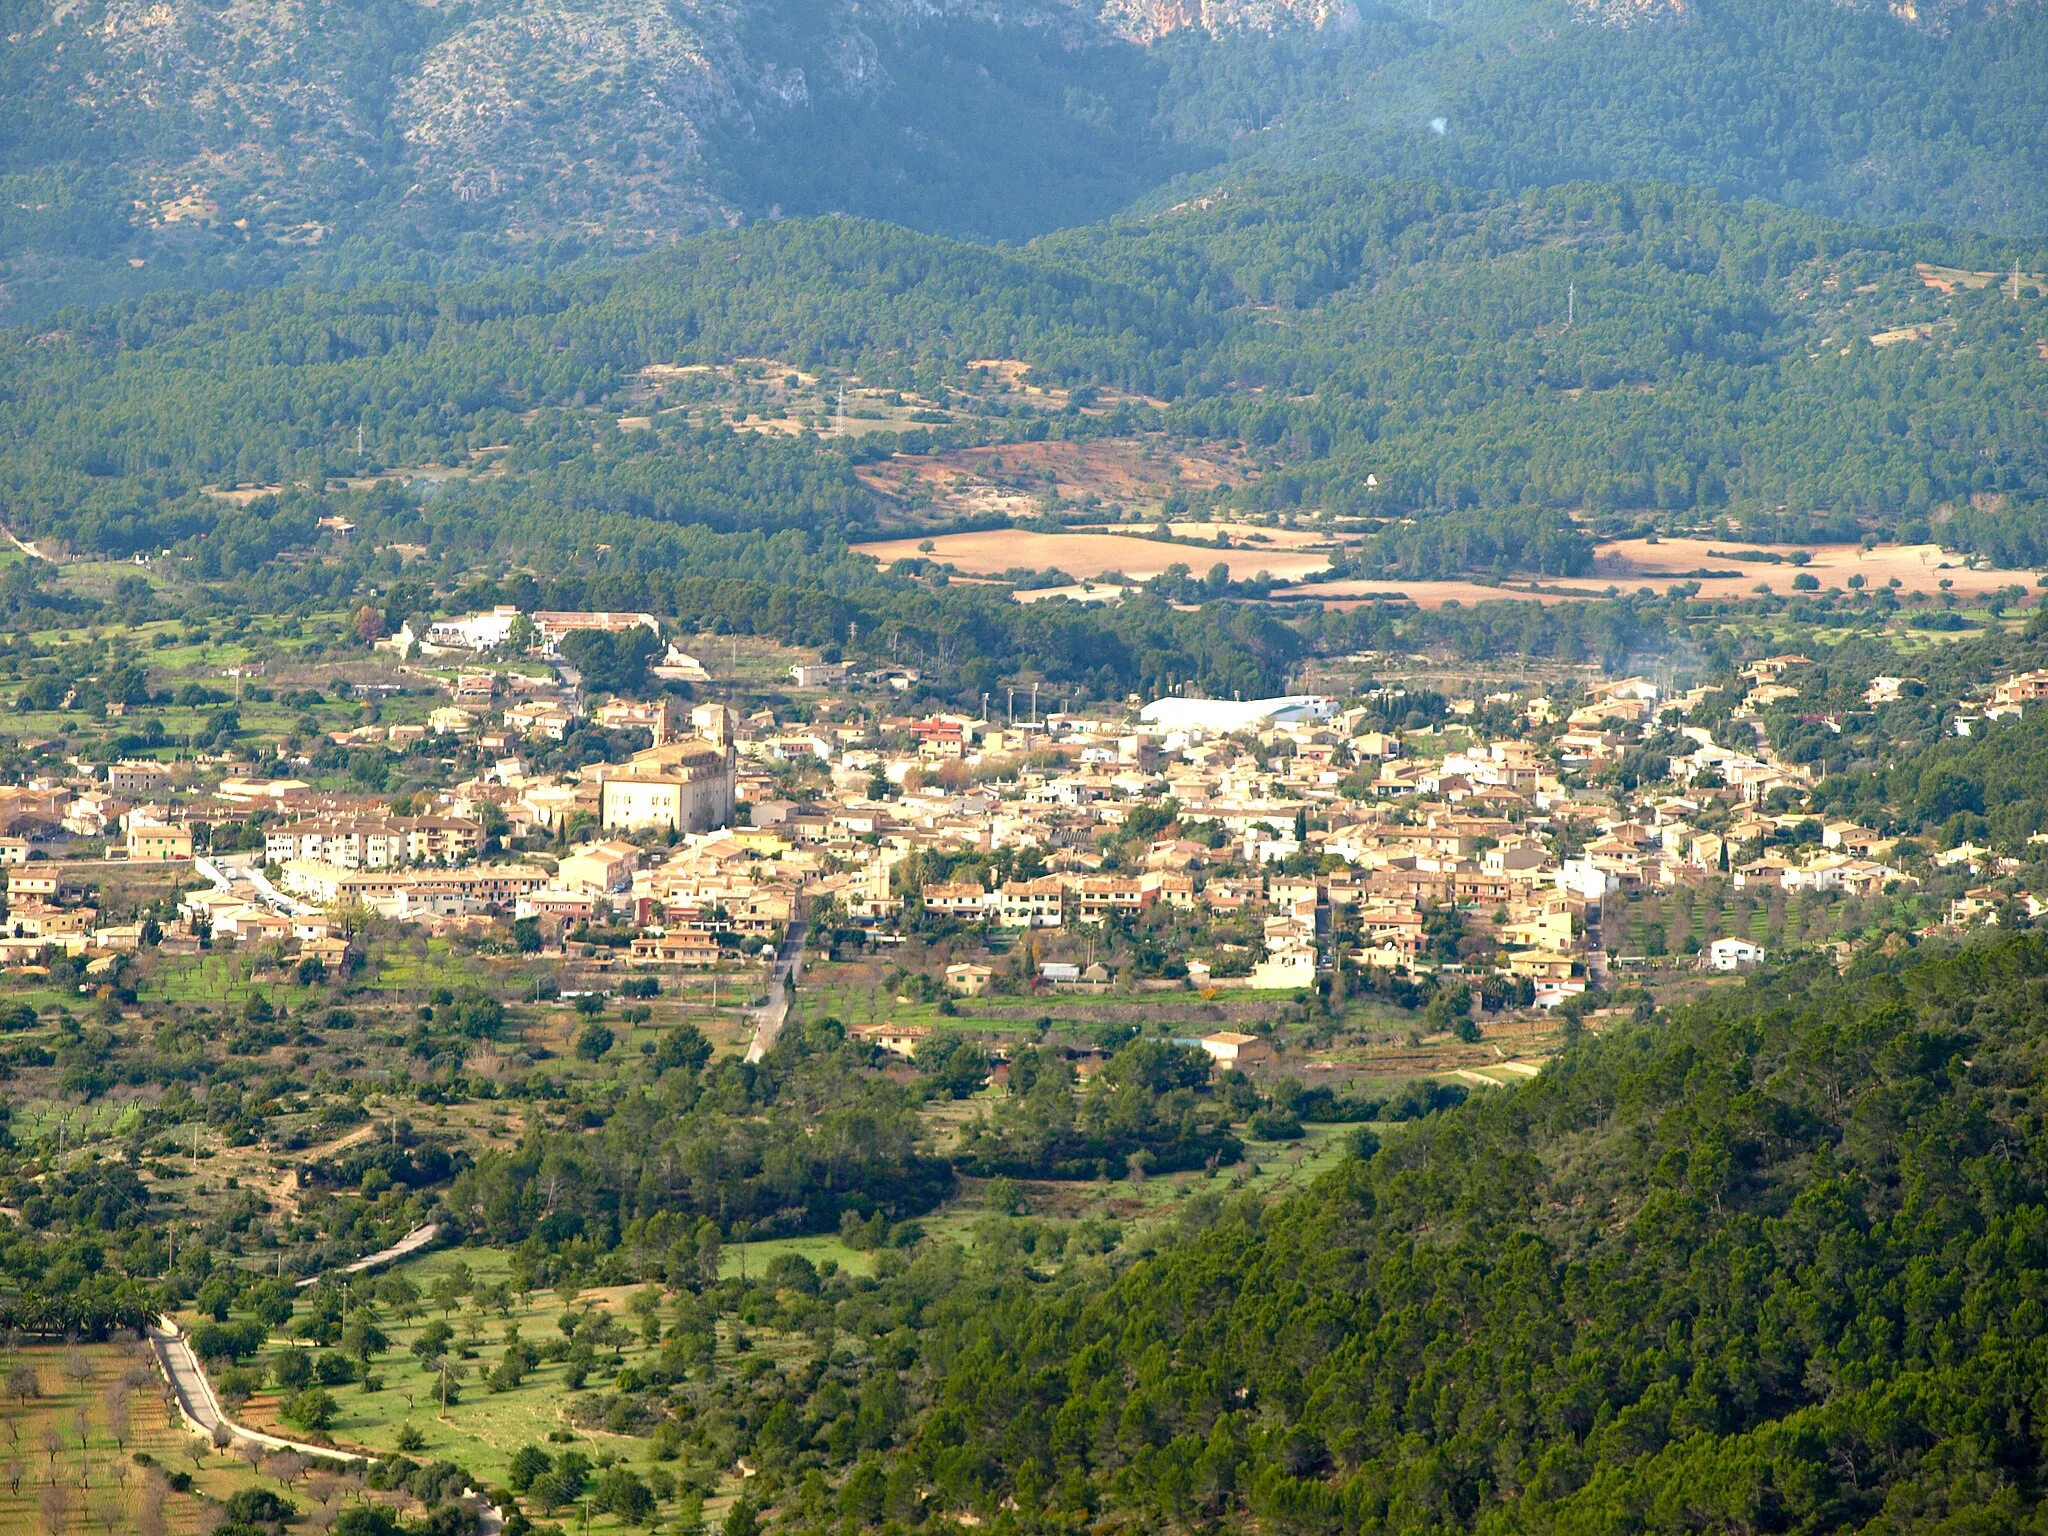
(1092, 555)
(1925, 569)
(89, 1446)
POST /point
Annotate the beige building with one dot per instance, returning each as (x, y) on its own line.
(968, 980)
(680, 948)
(376, 843)
(138, 778)
(1232, 1049)
(482, 884)
(663, 718)
(150, 841)
(2021, 688)
(600, 868)
(683, 786)
(1037, 903)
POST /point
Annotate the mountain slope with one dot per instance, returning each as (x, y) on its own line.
(154, 142)
(1776, 1264)
(1517, 374)
(1849, 111)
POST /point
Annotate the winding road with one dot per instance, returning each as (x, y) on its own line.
(200, 1407)
(404, 1248)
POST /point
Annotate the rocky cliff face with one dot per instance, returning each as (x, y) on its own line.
(210, 129)
(1147, 21)
(574, 111)
(532, 114)
(218, 103)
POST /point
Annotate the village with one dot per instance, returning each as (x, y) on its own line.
(1305, 847)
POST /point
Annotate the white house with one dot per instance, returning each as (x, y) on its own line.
(1286, 969)
(1584, 878)
(1230, 1048)
(1732, 955)
(475, 631)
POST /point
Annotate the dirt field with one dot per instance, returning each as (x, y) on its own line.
(1635, 563)
(1949, 279)
(1091, 554)
(1080, 592)
(1130, 472)
(1918, 567)
(1011, 374)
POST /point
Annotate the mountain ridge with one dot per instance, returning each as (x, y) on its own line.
(146, 142)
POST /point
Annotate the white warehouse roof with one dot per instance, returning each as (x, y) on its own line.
(1222, 716)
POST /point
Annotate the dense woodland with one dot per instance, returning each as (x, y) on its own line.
(1499, 364)
(1769, 1266)
(1770, 1262)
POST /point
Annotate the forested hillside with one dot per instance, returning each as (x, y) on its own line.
(1930, 114)
(1774, 1264)
(1496, 365)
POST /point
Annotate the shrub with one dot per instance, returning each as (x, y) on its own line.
(333, 1370)
(549, 1492)
(228, 1341)
(259, 1506)
(625, 1496)
(1275, 1125)
(794, 1272)
(239, 1383)
(528, 1463)
(312, 1408)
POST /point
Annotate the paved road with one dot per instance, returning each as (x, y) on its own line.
(236, 875)
(404, 1248)
(202, 1410)
(769, 1018)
